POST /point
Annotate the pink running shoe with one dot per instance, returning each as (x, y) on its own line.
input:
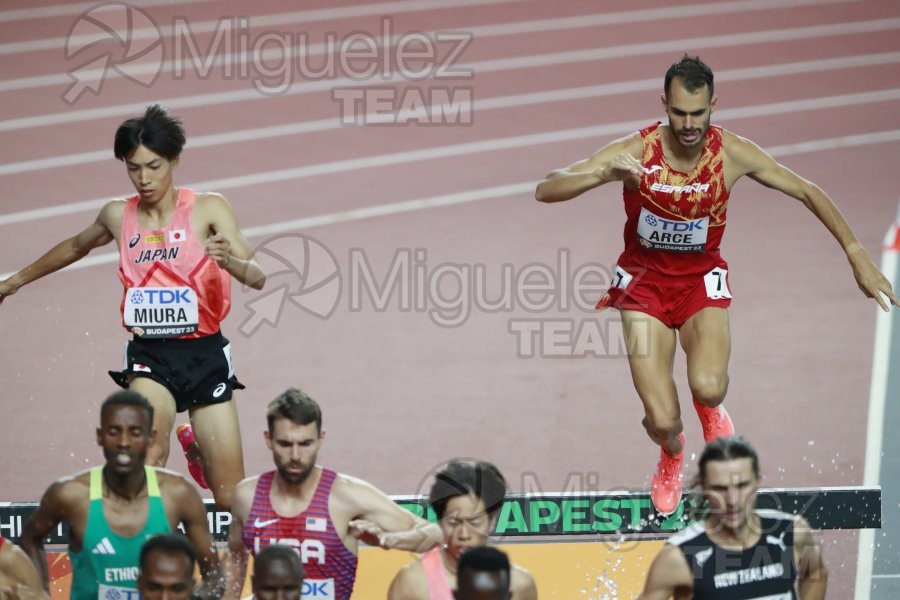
(665, 487)
(185, 436)
(716, 422)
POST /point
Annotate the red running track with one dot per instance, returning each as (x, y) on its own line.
(551, 82)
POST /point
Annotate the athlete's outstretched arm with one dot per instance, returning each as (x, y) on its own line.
(811, 572)
(378, 521)
(669, 576)
(751, 160)
(66, 252)
(228, 246)
(617, 161)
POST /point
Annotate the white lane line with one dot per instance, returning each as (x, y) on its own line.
(519, 141)
(475, 195)
(74, 8)
(278, 20)
(481, 104)
(640, 49)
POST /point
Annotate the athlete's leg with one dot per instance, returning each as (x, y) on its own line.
(218, 436)
(163, 416)
(706, 339)
(651, 355)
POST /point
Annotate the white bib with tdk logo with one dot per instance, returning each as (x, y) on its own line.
(162, 312)
(657, 233)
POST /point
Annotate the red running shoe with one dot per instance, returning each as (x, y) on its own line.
(716, 422)
(185, 436)
(665, 487)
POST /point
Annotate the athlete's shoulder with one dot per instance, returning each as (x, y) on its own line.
(521, 581)
(734, 143)
(355, 495)
(75, 482)
(693, 531)
(112, 212)
(69, 492)
(244, 491)
(633, 143)
(247, 484)
(409, 582)
(210, 200)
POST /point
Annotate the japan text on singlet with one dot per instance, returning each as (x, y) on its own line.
(674, 220)
(330, 567)
(765, 571)
(172, 289)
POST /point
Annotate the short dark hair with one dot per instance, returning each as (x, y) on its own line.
(484, 559)
(128, 398)
(295, 405)
(172, 543)
(274, 552)
(694, 74)
(461, 478)
(728, 448)
(157, 130)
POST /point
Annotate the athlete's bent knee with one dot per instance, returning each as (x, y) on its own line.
(709, 390)
(661, 430)
(157, 454)
(222, 497)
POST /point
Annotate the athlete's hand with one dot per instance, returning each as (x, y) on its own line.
(870, 279)
(218, 248)
(369, 533)
(624, 168)
(20, 592)
(6, 289)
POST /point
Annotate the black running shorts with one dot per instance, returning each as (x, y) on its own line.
(197, 372)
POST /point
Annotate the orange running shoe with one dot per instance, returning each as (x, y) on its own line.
(185, 435)
(665, 487)
(716, 422)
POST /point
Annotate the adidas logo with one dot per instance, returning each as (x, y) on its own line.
(104, 547)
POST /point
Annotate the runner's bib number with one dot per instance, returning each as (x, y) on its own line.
(113, 592)
(162, 312)
(717, 284)
(656, 233)
(319, 589)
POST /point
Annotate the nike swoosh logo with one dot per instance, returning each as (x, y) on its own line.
(261, 524)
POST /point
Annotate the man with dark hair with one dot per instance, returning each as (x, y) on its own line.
(671, 282)
(734, 550)
(178, 251)
(277, 573)
(484, 574)
(466, 498)
(112, 510)
(167, 568)
(320, 513)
